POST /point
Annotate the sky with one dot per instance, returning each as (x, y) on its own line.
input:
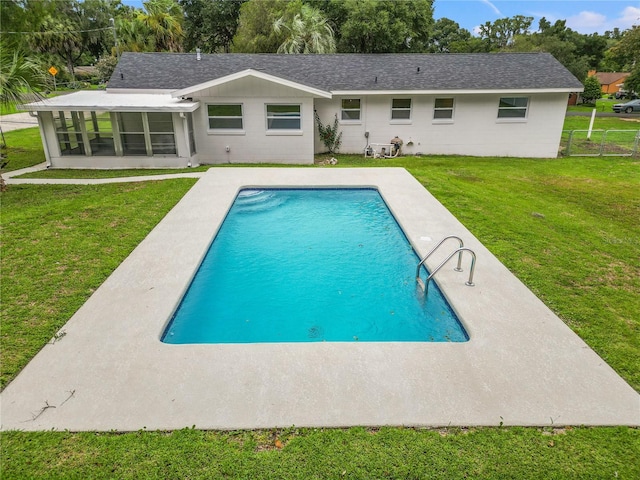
(581, 16)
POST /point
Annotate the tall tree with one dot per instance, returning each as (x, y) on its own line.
(501, 33)
(448, 37)
(61, 37)
(307, 32)
(163, 20)
(627, 51)
(632, 82)
(377, 26)
(255, 32)
(210, 24)
(577, 52)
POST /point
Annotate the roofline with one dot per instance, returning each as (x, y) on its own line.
(81, 102)
(250, 72)
(151, 91)
(457, 92)
(32, 107)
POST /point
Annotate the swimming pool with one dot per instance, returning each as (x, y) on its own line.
(310, 265)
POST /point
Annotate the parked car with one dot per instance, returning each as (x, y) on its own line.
(632, 106)
(624, 94)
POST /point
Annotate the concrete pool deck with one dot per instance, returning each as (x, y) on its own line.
(109, 370)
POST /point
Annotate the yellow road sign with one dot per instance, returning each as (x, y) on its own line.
(53, 71)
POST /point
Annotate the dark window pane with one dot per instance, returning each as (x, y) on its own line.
(351, 103)
(442, 114)
(401, 114)
(401, 103)
(512, 113)
(160, 122)
(225, 110)
(444, 103)
(133, 144)
(283, 124)
(222, 123)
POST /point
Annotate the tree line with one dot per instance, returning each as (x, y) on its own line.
(35, 34)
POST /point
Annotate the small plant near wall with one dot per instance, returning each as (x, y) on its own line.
(329, 134)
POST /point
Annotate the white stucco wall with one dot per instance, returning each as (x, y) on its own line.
(254, 143)
(474, 130)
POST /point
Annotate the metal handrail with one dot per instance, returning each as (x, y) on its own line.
(424, 259)
(459, 252)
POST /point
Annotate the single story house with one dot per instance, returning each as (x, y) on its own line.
(178, 110)
(610, 82)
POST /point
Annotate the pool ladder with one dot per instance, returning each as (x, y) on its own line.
(461, 248)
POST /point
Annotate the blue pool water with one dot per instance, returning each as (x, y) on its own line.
(310, 265)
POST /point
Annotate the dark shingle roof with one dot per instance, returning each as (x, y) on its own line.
(477, 71)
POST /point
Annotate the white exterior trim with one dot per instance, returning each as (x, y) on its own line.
(90, 100)
(251, 73)
(501, 91)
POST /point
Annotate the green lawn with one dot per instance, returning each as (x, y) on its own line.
(603, 104)
(566, 227)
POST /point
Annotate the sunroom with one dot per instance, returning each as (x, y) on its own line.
(90, 129)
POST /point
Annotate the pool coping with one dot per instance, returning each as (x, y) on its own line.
(109, 371)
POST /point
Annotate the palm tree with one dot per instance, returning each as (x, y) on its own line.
(133, 36)
(20, 78)
(163, 19)
(308, 32)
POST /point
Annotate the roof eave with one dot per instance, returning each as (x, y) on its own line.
(501, 91)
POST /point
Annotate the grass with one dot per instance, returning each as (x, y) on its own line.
(602, 123)
(59, 243)
(567, 227)
(24, 148)
(581, 259)
(604, 104)
(356, 453)
(133, 172)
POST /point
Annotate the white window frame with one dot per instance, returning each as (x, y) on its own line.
(225, 131)
(513, 108)
(283, 131)
(451, 109)
(343, 110)
(402, 109)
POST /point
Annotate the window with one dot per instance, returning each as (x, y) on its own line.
(100, 133)
(163, 141)
(513, 107)
(69, 133)
(132, 133)
(443, 109)
(225, 117)
(283, 117)
(350, 109)
(401, 109)
(147, 133)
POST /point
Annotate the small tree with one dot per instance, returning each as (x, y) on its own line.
(329, 134)
(632, 82)
(105, 66)
(592, 90)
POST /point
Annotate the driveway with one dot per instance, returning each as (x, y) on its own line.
(17, 121)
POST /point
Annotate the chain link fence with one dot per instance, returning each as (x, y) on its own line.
(600, 143)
